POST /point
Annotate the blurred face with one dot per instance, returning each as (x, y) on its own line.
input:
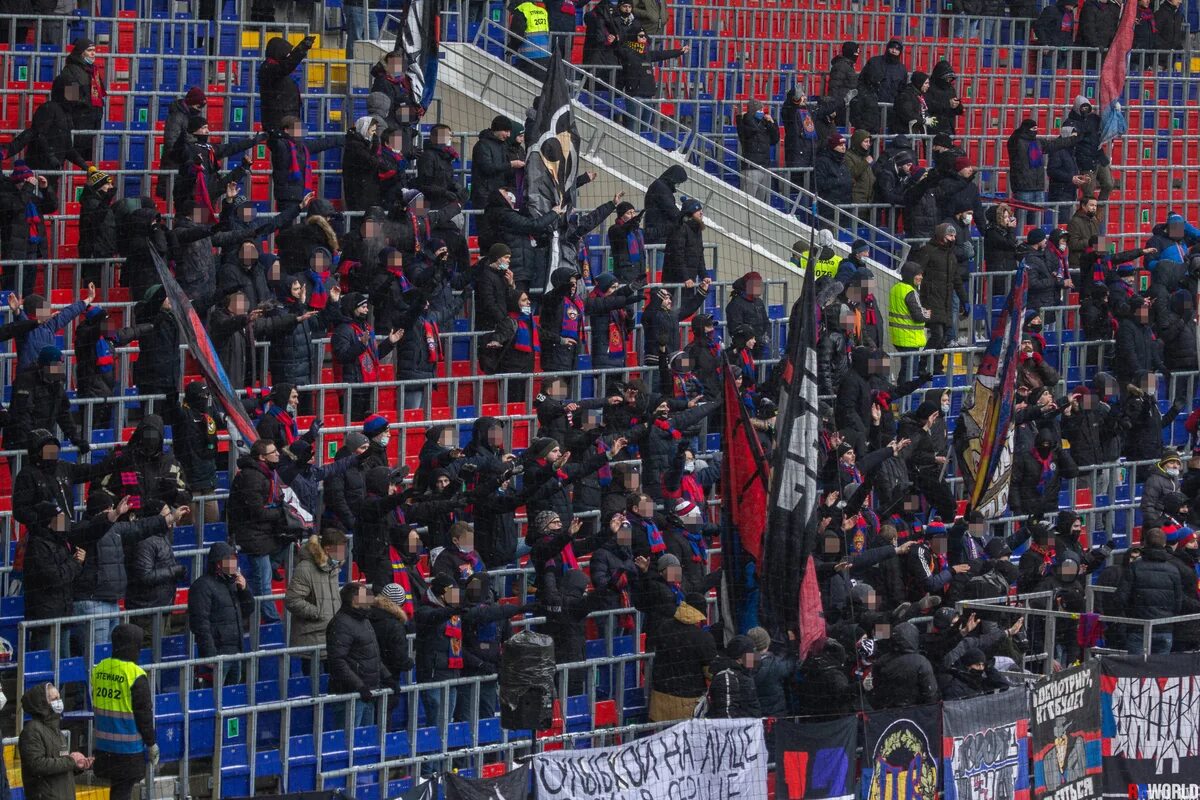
(395, 66)
(645, 508)
(364, 597)
(466, 540)
(452, 596)
(238, 304)
(249, 254)
(50, 452)
(495, 437)
(229, 566)
(320, 261)
(673, 574)
(337, 552)
(296, 131)
(754, 287)
(441, 137)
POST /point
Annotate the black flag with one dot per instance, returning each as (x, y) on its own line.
(552, 157)
(512, 785)
(419, 40)
(794, 485)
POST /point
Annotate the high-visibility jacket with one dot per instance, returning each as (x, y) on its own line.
(904, 331)
(825, 267)
(537, 31)
(112, 702)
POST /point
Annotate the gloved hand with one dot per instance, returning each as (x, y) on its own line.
(925, 376)
(365, 694)
(179, 573)
(152, 755)
(82, 444)
(315, 426)
(638, 284)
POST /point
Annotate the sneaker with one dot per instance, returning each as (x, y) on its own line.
(928, 603)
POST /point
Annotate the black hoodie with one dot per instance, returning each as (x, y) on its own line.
(904, 677)
(662, 212)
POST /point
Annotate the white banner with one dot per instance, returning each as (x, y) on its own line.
(701, 759)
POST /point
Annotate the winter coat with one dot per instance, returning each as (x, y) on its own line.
(1045, 287)
(732, 694)
(1049, 25)
(521, 233)
(865, 111)
(47, 141)
(1150, 587)
(1157, 485)
(85, 81)
(662, 328)
(148, 480)
(902, 676)
(941, 92)
(741, 310)
(832, 179)
(355, 659)
(1170, 30)
(1092, 434)
(312, 595)
(361, 165)
(625, 265)
(278, 91)
(941, 281)
(436, 177)
(1082, 231)
(217, 609)
(773, 678)
(657, 446)
(1029, 156)
(683, 650)
(637, 75)
(97, 225)
(179, 115)
(910, 112)
(954, 192)
(842, 79)
(756, 137)
(255, 512)
(50, 571)
(1088, 152)
(1000, 249)
(17, 241)
(490, 297)
(1098, 21)
(893, 75)
(920, 205)
(599, 24)
(1143, 424)
(391, 631)
(47, 769)
(799, 131)
(861, 172)
(293, 358)
(662, 211)
(1024, 497)
(490, 168)
(684, 256)
(153, 573)
(103, 576)
(1137, 350)
(39, 401)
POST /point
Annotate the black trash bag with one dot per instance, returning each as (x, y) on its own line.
(527, 682)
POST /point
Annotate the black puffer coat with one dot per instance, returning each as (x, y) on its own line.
(255, 512)
(73, 89)
(902, 676)
(277, 89)
(47, 141)
(520, 232)
(361, 166)
(50, 571)
(217, 609)
(684, 256)
(941, 280)
(491, 168)
(436, 177)
(682, 651)
(293, 356)
(1098, 21)
(1150, 587)
(941, 92)
(104, 576)
(355, 661)
(153, 573)
(832, 177)
(893, 75)
(732, 694)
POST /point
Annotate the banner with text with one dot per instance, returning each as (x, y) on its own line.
(1151, 725)
(985, 747)
(700, 759)
(816, 759)
(903, 754)
(1065, 726)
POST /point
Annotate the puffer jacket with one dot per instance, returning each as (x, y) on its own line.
(255, 511)
(50, 572)
(843, 77)
(732, 693)
(217, 609)
(521, 233)
(773, 678)
(756, 137)
(491, 168)
(278, 91)
(902, 676)
(941, 92)
(684, 256)
(862, 174)
(682, 652)
(832, 178)
(104, 576)
(78, 79)
(46, 766)
(1150, 587)
(312, 595)
(47, 141)
(941, 281)
(1098, 21)
(355, 659)
(153, 572)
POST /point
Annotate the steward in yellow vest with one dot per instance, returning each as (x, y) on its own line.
(124, 714)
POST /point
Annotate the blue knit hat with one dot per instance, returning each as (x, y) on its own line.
(374, 424)
(690, 206)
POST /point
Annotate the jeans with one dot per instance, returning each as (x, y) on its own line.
(355, 17)
(431, 701)
(1025, 218)
(756, 182)
(1160, 641)
(258, 580)
(414, 397)
(364, 714)
(100, 629)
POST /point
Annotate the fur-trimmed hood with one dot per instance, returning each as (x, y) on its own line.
(327, 231)
(388, 607)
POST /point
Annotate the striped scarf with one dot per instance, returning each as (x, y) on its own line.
(526, 339)
(291, 432)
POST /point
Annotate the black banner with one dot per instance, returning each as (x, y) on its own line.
(512, 785)
(903, 754)
(815, 760)
(1151, 724)
(1064, 723)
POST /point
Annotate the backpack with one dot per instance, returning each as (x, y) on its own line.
(986, 586)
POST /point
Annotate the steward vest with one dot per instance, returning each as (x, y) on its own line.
(537, 31)
(905, 332)
(112, 702)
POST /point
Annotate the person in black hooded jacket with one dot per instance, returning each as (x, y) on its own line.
(662, 211)
(279, 93)
(902, 676)
(627, 244)
(1150, 589)
(800, 134)
(1098, 22)
(1028, 157)
(831, 176)
(942, 98)
(911, 113)
(843, 77)
(683, 259)
(1054, 28)
(355, 660)
(865, 111)
(503, 223)
(893, 74)
(746, 307)
(218, 606)
(732, 693)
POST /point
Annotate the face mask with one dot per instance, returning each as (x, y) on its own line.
(151, 443)
(334, 564)
(56, 706)
(661, 414)
(1062, 246)
(758, 115)
(291, 410)
(467, 548)
(967, 219)
(1045, 449)
(1034, 328)
(689, 467)
(526, 310)
(1172, 471)
(945, 408)
(89, 60)
(384, 439)
(1191, 553)
(201, 137)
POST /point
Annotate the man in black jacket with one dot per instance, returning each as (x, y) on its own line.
(757, 134)
(218, 606)
(732, 694)
(903, 676)
(662, 212)
(355, 661)
(683, 653)
(889, 66)
(279, 93)
(683, 259)
(1150, 588)
(491, 167)
(256, 518)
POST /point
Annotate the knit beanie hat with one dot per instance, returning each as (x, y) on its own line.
(374, 424)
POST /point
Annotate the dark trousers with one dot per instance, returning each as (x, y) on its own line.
(936, 341)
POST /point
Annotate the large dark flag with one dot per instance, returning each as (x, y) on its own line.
(985, 747)
(1112, 76)
(1064, 724)
(984, 434)
(419, 40)
(552, 156)
(512, 785)
(816, 760)
(201, 348)
(902, 755)
(794, 485)
(421, 791)
(1151, 724)
(746, 470)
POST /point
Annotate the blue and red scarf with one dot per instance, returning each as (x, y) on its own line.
(433, 340)
(526, 339)
(34, 217)
(1048, 469)
(454, 633)
(635, 245)
(298, 170)
(104, 355)
(654, 537)
(698, 545)
(291, 432)
(665, 425)
(1036, 159)
(572, 318)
